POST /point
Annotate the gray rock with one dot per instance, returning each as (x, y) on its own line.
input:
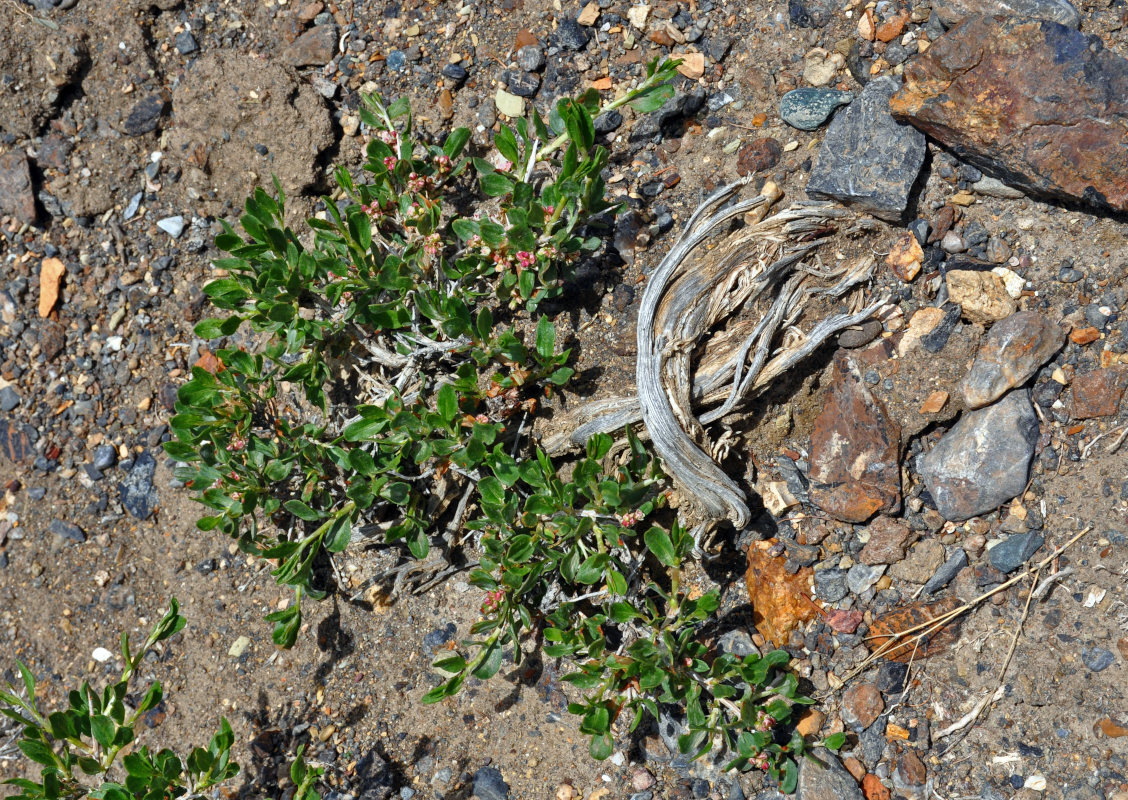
(862, 576)
(137, 492)
(1061, 11)
(134, 204)
(67, 531)
(824, 778)
(807, 109)
(186, 43)
(830, 584)
(314, 48)
(921, 563)
(489, 785)
(530, 58)
(607, 122)
(522, 84)
(891, 677)
(173, 226)
(571, 35)
(810, 13)
(456, 72)
(396, 60)
(935, 340)
(1009, 555)
(868, 159)
(947, 572)
(1009, 356)
(104, 457)
(738, 643)
(1097, 658)
(984, 460)
(16, 192)
(145, 115)
(9, 398)
(993, 187)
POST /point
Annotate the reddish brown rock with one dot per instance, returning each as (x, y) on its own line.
(314, 48)
(887, 542)
(861, 705)
(779, 601)
(757, 156)
(874, 789)
(889, 629)
(910, 773)
(1034, 103)
(854, 469)
(16, 195)
(1098, 393)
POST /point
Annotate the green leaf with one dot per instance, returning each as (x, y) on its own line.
(287, 623)
(37, 752)
(495, 185)
(602, 745)
(452, 664)
(339, 534)
(28, 681)
(301, 510)
(465, 228)
(506, 144)
(447, 401)
(456, 141)
(658, 542)
(103, 729)
(834, 741)
(490, 665)
(546, 338)
(652, 99)
(622, 612)
(152, 697)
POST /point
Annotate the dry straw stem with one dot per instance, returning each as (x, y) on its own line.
(926, 629)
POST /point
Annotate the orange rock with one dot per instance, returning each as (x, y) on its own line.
(208, 362)
(50, 273)
(1111, 729)
(887, 627)
(446, 104)
(1084, 335)
(874, 789)
(758, 120)
(893, 731)
(865, 25)
(779, 601)
(661, 37)
(854, 767)
(811, 722)
(905, 257)
(589, 14)
(602, 84)
(524, 38)
(936, 401)
(888, 31)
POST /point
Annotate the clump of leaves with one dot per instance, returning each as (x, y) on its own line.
(383, 366)
(82, 742)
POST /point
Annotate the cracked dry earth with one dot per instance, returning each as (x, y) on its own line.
(887, 475)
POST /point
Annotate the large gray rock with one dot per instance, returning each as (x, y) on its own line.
(1060, 11)
(868, 159)
(824, 778)
(1009, 356)
(984, 460)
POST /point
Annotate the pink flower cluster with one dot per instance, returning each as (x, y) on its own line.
(432, 244)
(493, 599)
(764, 721)
(630, 519)
(236, 444)
(525, 259)
(373, 211)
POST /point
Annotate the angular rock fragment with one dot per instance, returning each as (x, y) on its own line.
(854, 448)
(981, 295)
(886, 629)
(16, 194)
(822, 777)
(1038, 105)
(1009, 356)
(1097, 393)
(314, 48)
(868, 159)
(951, 12)
(984, 460)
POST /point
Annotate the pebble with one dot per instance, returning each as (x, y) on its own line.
(173, 226)
(314, 48)
(131, 208)
(456, 72)
(1011, 354)
(67, 531)
(1097, 393)
(571, 35)
(1012, 553)
(509, 104)
(145, 115)
(810, 13)
(396, 60)
(868, 159)
(824, 778)
(830, 584)
(862, 576)
(137, 492)
(738, 643)
(891, 677)
(16, 191)
(952, 242)
(853, 338)
(1061, 11)
(9, 398)
(861, 705)
(807, 109)
(981, 295)
(522, 84)
(489, 785)
(607, 122)
(1097, 659)
(937, 338)
(947, 572)
(984, 460)
(1067, 274)
(101, 655)
(239, 646)
(921, 563)
(887, 541)
(186, 43)
(530, 58)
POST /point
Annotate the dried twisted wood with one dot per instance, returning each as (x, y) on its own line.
(689, 294)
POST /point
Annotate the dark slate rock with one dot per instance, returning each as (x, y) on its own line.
(17, 440)
(868, 159)
(9, 398)
(830, 584)
(1010, 355)
(186, 43)
(1097, 658)
(738, 643)
(810, 13)
(67, 531)
(984, 460)
(947, 572)
(891, 677)
(489, 785)
(952, 11)
(456, 72)
(808, 108)
(607, 122)
(522, 84)
(936, 339)
(145, 115)
(1011, 554)
(439, 636)
(823, 777)
(137, 492)
(571, 35)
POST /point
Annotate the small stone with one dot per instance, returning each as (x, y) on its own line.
(1097, 393)
(810, 723)
(101, 655)
(607, 122)
(509, 104)
(892, 28)
(1069, 274)
(810, 13)
(819, 71)
(952, 242)
(173, 226)
(952, 12)
(905, 257)
(874, 789)
(807, 109)
(999, 252)
(456, 72)
(571, 36)
(589, 14)
(489, 785)
(891, 677)
(868, 159)
(1009, 555)
(9, 398)
(887, 542)
(824, 778)
(981, 295)
(641, 780)
(16, 193)
(759, 155)
(862, 576)
(861, 335)
(993, 187)
(239, 646)
(145, 115)
(861, 705)
(530, 58)
(854, 449)
(137, 492)
(738, 643)
(1097, 658)
(947, 572)
(186, 43)
(937, 338)
(1011, 354)
(314, 48)
(830, 584)
(935, 402)
(67, 531)
(522, 84)
(910, 775)
(396, 60)
(920, 564)
(692, 66)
